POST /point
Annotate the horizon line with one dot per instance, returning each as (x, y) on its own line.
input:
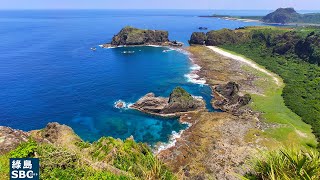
(148, 9)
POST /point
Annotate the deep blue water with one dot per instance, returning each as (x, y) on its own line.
(48, 72)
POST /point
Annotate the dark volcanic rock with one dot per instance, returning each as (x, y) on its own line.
(198, 38)
(228, 99)
(133, 36)
(178, 102)
(229, 90)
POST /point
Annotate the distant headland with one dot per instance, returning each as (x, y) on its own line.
(279, 16)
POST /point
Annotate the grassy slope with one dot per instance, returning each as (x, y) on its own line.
(107, 158)
(292, 129)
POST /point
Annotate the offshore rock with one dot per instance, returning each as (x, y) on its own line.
(130, 36)
(179, 101)
(133, 36)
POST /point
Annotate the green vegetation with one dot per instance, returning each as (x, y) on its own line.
(180, 95)
(107, 158)
(286, 164)
(280, 51)
(133, 36)
(24, 150)
(290, 128)
(134, 158)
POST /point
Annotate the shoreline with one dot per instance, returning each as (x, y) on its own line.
(246, 61)
(228, 18)
(213, 136)
(233, 18)
(193, 77)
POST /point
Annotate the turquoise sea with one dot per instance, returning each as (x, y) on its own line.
(49, 74)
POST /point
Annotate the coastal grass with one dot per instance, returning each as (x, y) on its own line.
(286, 164)
(4, 166)
(287, 127)
(107, 158)
(301, 90)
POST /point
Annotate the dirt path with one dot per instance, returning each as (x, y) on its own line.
(246, 61)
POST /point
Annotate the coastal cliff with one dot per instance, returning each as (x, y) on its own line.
(179, 101)
(289, 42)
(130, 36)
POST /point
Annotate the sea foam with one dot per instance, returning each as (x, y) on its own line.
(125, 105)
(172, 140)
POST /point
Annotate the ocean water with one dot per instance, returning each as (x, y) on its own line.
(49, 74)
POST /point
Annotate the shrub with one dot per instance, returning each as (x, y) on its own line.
(24, 150)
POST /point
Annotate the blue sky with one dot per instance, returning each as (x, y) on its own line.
(159, 4)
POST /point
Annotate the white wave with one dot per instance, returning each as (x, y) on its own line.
(198, 97)
(101, 45)
(195, 67)
(183, 51)
(172, 140)
(153, 45)
(194, 78)
(165, 51)
(128, 52)
(171, 143)
(124, 105)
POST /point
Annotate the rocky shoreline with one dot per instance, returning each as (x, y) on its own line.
(215, 145)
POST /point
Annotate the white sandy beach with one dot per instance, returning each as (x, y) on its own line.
(246, 61)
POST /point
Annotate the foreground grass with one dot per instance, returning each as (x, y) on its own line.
(289, 129)
(286, 164)
(107, 158)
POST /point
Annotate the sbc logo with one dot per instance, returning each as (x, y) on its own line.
(24, 168)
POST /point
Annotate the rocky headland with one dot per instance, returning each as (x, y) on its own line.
(179, 101)
(130, 36)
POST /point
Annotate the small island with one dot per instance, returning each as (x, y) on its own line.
(179, 102)
(130, 36)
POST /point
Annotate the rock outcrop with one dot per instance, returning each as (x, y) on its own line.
(133, 36)
(228, 99)
(179, 101)
(11, 138)
(216, 38)
(53, 133)
(198, 38)
(130, 36)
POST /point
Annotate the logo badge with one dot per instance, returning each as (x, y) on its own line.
(24, 168)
